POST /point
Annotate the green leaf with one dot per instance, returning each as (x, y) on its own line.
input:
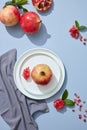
(16, 2)
(65, 95)
(82, 27)
(21, 2)
(77, 23)
(69, 102)
(9, 3)
(22, 8)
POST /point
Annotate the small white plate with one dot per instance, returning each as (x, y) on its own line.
(31, 58)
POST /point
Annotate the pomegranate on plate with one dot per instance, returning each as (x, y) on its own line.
(30, 22)
(42, 5)
(41, 74)
(9, 15)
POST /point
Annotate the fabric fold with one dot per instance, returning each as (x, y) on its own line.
(15, 108)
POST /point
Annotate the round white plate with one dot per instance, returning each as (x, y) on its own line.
(31, 58)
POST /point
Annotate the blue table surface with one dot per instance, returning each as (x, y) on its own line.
(54, 35)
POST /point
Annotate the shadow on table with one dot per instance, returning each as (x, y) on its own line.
(38, 39)
(15, 31)
(65, 109)
(60, 92)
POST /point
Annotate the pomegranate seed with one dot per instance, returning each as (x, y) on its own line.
(84, 120)
(84, 43)
(76, 95)
(73, 110)
(81, 38)
(85, 39)
(81, 106)
(79, 100)
(77, 104)
(85, 116)
(80, 116)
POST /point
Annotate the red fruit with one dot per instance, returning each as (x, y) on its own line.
(59, 104)
(26, 73)
(9, 15)
(74, 32)
(30, 22)
(41, 74)
(42, 5)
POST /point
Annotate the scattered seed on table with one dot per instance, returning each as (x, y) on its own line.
(80, 116)
(73, 110)
(79, 103)
(84, 120)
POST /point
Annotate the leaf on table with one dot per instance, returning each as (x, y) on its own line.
(69, 102)
(65, 95)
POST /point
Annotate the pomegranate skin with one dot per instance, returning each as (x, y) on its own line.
(9, 15)
(30, 22)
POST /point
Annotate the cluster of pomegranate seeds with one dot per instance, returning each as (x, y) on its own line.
(75, 32)
(83, 40)
(26, 73)
(79, 103)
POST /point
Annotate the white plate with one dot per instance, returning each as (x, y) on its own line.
(31, 58)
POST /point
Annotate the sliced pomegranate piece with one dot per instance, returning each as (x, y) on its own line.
(26, 73)
(42, 5)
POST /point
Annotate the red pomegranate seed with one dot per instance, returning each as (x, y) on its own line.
(85, 116)
(79, 100)
(85, 39)
(81, 38)
(84, 120)
(73, 110)
(81, 106)
(80, 116)
(77, 104)
(76, 95)
(84, 43)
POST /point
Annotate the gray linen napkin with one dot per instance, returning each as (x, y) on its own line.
(15, 108)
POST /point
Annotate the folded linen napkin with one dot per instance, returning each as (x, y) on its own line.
(15, 108)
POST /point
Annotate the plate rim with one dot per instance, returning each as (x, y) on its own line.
(25, 92)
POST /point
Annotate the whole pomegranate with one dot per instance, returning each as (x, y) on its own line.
(9, 15)
(30, 22)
